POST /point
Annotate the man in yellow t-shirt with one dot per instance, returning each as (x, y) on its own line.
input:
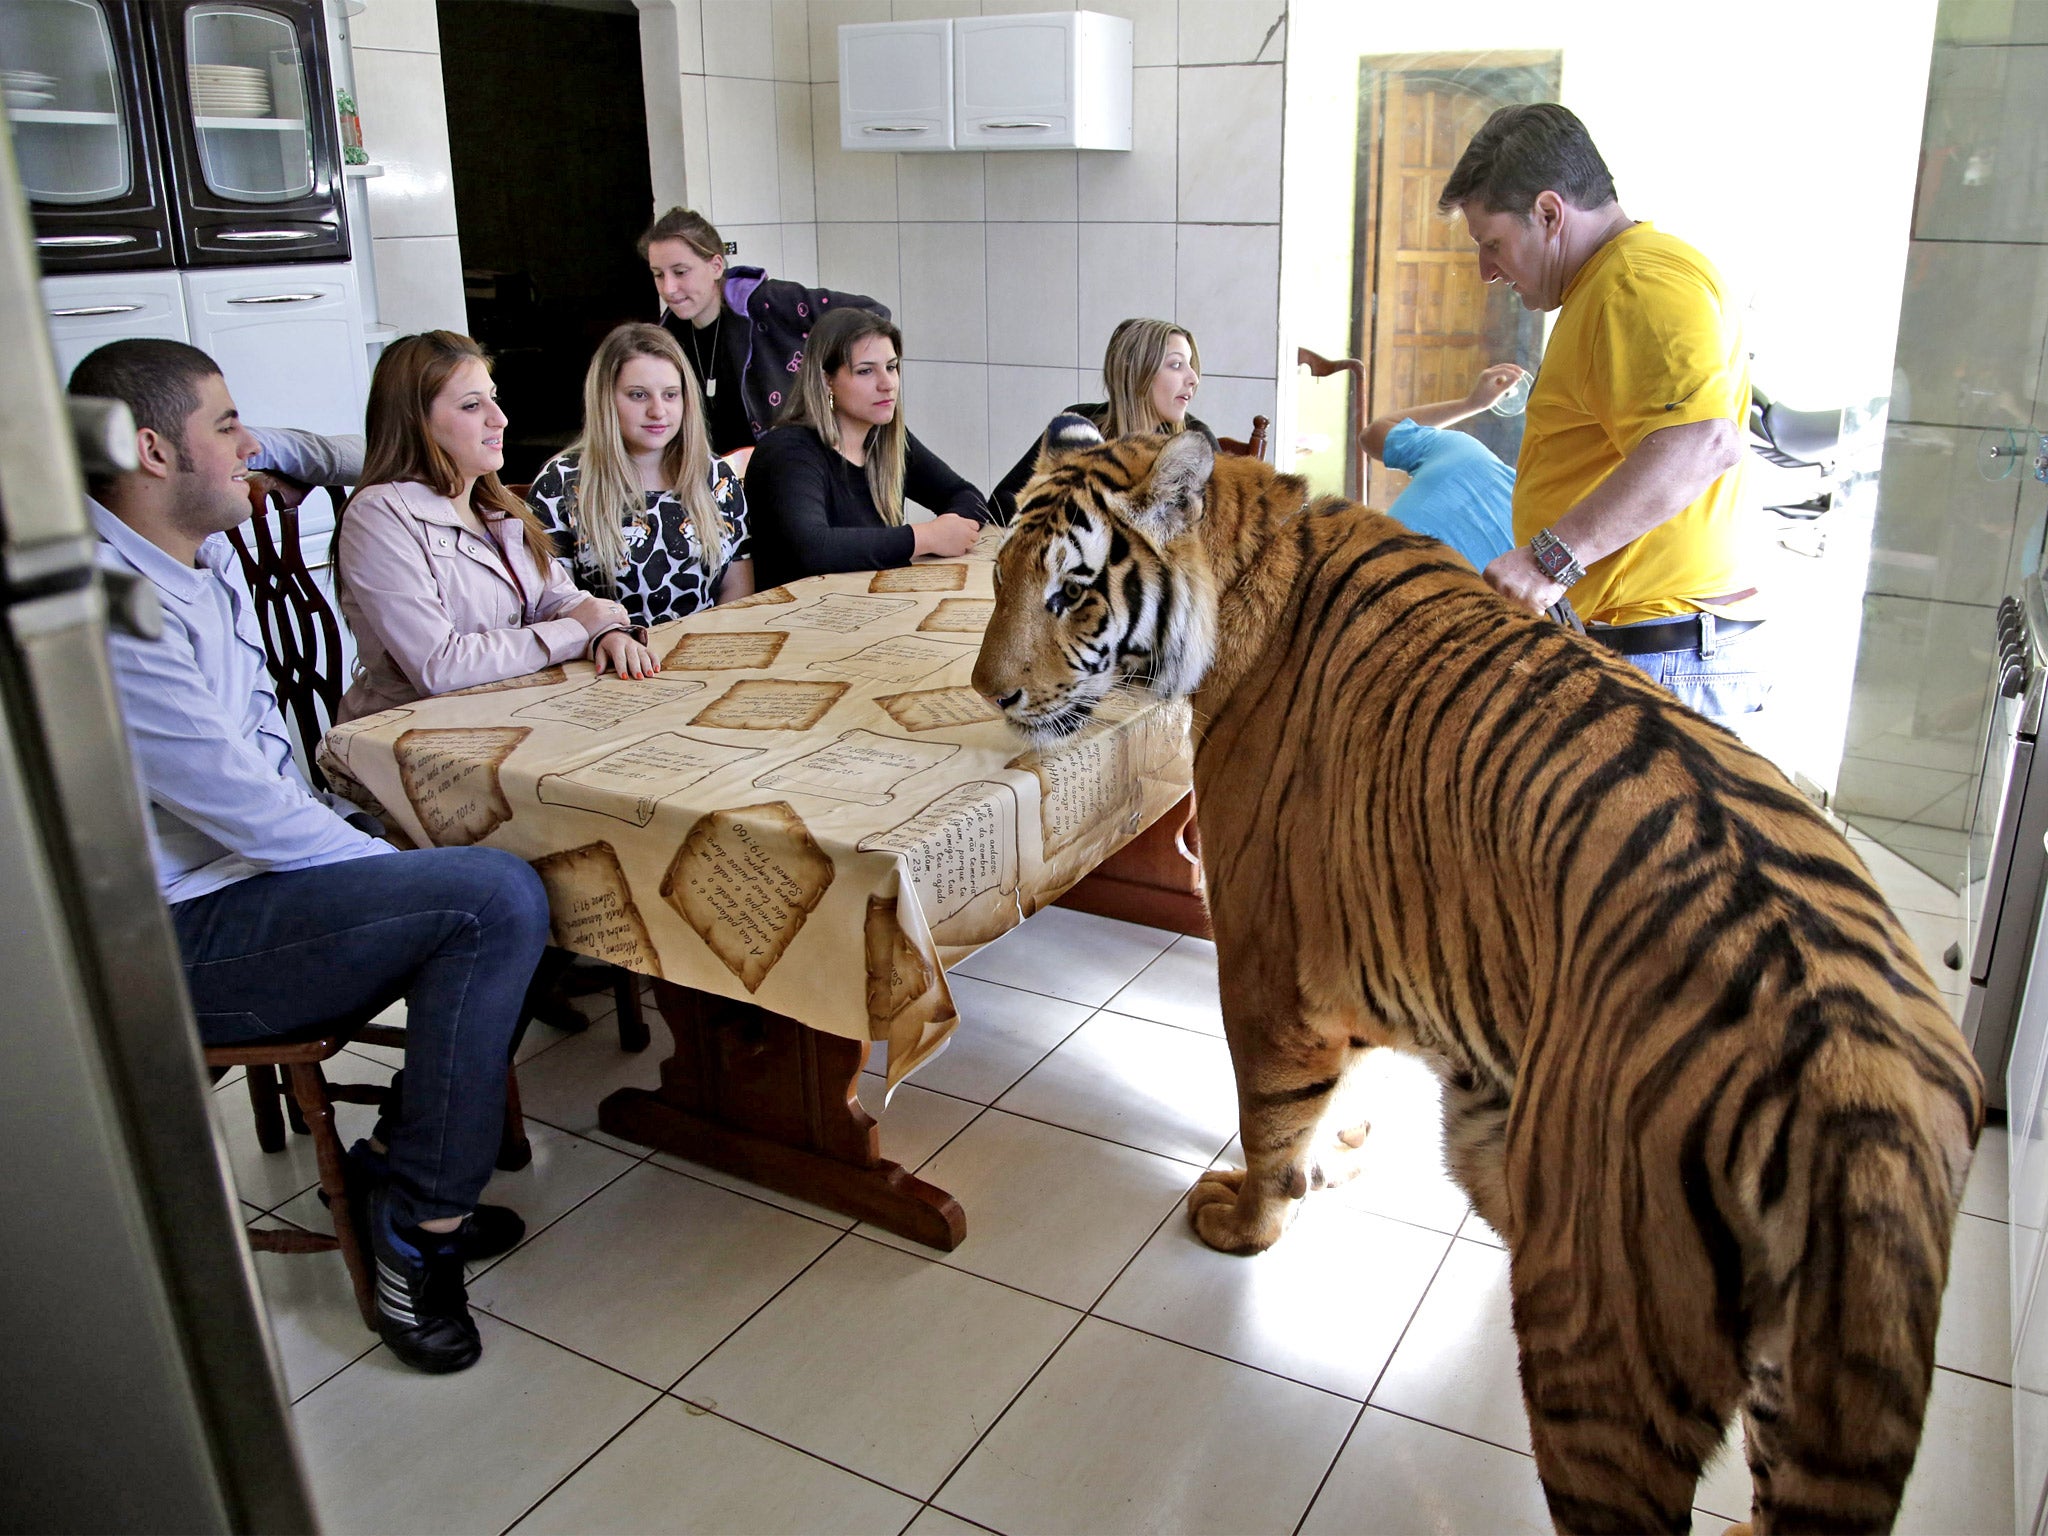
(1629, 485)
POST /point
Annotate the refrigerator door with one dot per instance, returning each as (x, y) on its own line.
(89, 311)
(75, 81)
(249, 119)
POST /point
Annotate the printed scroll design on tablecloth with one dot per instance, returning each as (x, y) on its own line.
(591, 908)
(897, 660)
(861, 767)
(1084, 788)
(898, 976)
(960, 853)
(746, 880)
(920, 578)
(959, 616)
(934, 709)
(842, 613)
(631, 783)
(334, 754)
(770, 598)
(610, 701)
(743, 650)
(546, 677)
(451, 778)
(770, 704)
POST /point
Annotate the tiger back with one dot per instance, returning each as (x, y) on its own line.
(1694, 1073)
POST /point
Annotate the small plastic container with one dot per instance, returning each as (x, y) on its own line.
(1516, 398)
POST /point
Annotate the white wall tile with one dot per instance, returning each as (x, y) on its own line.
(793, 152)
(1943, 531)
(1991, 21)
(696, 146)
(745, 177)
(760, 245)
(406, 132)
(939, 186)
(1142, 184)
(800, 254)
(860, 258)
(419, 283)
(1226, 286)
(661, 89)
(1033, 295)
(1970, 326)
(859, 186)
(827, 17)
(1026, 7)
(1155, 25)
(791, 23)
(946, 405)
(1229, 169)
(945, 291)
(1126, 270)
(412, 25)
(1228, 405)
(739, 39)
(933, 10)
(1036, 185)
(689, 16)
(1021, 401)
(1232, 31)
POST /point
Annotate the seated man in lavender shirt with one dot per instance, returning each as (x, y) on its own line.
(288, 915)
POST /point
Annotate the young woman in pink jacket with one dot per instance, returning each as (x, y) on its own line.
(446, 577)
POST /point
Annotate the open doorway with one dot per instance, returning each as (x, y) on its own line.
(1425, 322)
(547, 134)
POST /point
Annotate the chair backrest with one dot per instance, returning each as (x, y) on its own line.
(1322, 367)
(1252, 448)
(301, 635)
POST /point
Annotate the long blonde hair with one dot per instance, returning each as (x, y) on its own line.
(1136, 349)
(401, 446)
(829, 349)
(608, 490)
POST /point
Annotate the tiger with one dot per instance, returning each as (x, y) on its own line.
(1692, 1070)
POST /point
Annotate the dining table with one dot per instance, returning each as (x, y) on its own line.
(794, 828)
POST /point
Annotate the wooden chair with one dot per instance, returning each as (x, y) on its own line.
(1251, 448)
(1322, 367)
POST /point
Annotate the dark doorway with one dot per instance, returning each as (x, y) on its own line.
(547, 134)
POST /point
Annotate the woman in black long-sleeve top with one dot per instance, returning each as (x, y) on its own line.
(827, 486)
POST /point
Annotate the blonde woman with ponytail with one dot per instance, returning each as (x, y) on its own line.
(829, 484)
(637, 505)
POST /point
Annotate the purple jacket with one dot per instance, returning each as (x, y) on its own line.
(780, 315)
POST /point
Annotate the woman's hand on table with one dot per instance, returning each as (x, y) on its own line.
(621, 653)
(948, 535)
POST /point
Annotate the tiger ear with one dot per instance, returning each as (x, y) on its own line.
(1067, 434)
(1172, 499)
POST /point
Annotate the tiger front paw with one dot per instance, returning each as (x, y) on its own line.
(1231, 1217)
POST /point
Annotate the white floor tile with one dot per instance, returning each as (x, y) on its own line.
(1121, 1432)
(1985, 1194)
(933, 1521)
(751, 1190)
(1725, 1484)
(648, 1275)
(387, 1448)
(1178, 988)
(1049, 1211)
(1932, 934)
(1456, 1366)
(1402, 1172)
(1003, 1034)
(1068, 954)
(882, 1362)
(1905, 886)
(268, 1179)
(1477, 1229)
(1976, 1310)
(1274, 1311)
(312, 1310)
(564, 1084)
(1398, 1477)
(915, 1123)
(1962, 1480)
(1152, 1086)
(680, 1469)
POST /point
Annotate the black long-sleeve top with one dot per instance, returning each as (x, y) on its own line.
(812, 511)
(1003, 499)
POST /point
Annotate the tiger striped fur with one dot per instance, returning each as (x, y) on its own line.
(1693, 1073)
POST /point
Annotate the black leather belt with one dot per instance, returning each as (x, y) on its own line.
(1680, 634)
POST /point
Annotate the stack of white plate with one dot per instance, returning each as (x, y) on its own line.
(27, 88)
(230, 90)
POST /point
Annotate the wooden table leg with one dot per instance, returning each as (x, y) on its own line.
(1155, 878)
(771, 1100)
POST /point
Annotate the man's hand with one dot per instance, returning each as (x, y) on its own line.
(1517, 577)
(1492, 383)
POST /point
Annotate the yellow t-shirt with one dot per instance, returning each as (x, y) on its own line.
(1646, 338)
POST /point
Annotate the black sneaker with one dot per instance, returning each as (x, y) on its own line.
(422, 1304)
(489, 1231)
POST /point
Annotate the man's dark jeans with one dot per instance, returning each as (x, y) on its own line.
(454, 931)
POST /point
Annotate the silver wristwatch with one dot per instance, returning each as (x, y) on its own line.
(1555, 558)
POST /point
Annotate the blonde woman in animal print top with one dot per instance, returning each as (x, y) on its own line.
(676, 539)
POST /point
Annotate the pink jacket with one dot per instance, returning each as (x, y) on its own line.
(436, 608)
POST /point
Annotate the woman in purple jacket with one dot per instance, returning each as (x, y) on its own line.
(742, 330)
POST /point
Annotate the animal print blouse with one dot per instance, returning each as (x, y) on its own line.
(664, 576)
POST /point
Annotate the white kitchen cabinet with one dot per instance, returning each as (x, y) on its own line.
(289, 341)
(89, 309)
(1055, 80)
(896, 85)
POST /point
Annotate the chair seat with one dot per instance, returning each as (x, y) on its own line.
(282, 1052)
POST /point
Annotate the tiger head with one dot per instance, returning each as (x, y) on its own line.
(1102, 585)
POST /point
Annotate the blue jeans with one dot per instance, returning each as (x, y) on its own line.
(1734, 680)
(454, 931)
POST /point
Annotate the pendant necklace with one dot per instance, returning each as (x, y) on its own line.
(708, 374)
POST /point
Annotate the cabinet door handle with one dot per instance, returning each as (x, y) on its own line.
(896, 128)
(270, 234)
(66, 242)
(93, 309)
(276, 298)
(1020, 123)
